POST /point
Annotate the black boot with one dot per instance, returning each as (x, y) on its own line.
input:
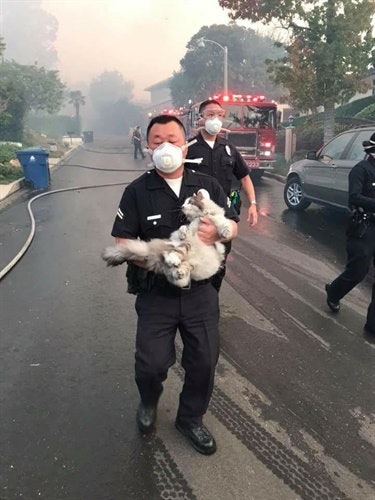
(369, 329)
(198, 435)
(146, 418)
(333, 305)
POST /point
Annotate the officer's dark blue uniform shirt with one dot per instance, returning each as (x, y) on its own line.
(362, 185)
(223, 161)
(150, 209)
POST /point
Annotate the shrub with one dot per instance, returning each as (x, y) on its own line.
(7, 152)
(10, 174)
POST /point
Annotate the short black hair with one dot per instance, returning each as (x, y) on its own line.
(204, 104)
(163, 120)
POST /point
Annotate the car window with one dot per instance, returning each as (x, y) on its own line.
(356, 151)
(334, 149)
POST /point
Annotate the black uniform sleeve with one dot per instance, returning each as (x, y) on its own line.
(240, 169)
(359, 182)
(126, 223)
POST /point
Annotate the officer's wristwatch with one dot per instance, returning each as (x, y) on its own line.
(253, 202)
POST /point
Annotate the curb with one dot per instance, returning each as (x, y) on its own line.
(8, 189)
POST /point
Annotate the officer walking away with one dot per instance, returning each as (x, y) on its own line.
(360, 245)
(151, 208)
(137, 142)
(222, 161)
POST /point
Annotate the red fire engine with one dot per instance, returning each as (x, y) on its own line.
(250, 124)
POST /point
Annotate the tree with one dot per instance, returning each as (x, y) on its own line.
(4, 93)
(40, 89)
(77, 99)
(329, 48)
(202, 68)
(26, 88)
(29, 33)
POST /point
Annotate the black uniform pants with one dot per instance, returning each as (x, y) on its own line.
(195, 313)
(360, 252)
(138, 149)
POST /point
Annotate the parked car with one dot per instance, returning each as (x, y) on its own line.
(322, 177)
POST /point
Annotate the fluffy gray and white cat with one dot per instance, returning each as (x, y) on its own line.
(183, 257)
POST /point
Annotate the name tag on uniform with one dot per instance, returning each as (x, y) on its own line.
(153, 217)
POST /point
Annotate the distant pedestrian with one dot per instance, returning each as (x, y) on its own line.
(137, 142)
(360, 245)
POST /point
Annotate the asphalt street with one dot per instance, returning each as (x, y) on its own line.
(293, 409)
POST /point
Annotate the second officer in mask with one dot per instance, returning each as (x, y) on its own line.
(222, 161)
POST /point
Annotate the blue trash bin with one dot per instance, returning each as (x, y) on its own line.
(35, 166)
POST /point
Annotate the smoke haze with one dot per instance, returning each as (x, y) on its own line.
(142, 39)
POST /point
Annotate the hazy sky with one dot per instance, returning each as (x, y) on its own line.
(143, 39)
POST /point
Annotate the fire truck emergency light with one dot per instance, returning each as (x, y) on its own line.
(239, 98)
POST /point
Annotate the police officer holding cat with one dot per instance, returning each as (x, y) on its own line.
(151, 208)
(221, 160)
(360, 245)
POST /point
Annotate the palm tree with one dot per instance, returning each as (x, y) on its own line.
(77, 99)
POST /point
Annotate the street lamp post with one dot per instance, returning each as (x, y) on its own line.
(225, 49)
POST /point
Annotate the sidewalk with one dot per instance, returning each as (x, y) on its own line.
(8, 189)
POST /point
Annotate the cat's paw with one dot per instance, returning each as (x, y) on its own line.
(226, 231)
(181, 275)
(172, 259)
(183, 271)
(182, 232)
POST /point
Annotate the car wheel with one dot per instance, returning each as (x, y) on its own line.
(294, 196)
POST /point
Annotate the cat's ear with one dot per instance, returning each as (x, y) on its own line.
(200, 196)
(205, 195)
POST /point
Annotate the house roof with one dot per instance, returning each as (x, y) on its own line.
(159, 85)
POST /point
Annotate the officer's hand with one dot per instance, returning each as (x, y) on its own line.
(207, 231)
(252, 215)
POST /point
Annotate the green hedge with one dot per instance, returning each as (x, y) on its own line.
(367, 113)
(10, 174)
(353, 108)
(7, 152)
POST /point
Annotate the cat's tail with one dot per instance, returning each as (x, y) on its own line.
(118, 254)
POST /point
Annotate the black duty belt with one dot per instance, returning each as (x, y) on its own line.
(161, 283)
(361, 215)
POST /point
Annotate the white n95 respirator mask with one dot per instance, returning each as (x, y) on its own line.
(167, 157)
(213, 125)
